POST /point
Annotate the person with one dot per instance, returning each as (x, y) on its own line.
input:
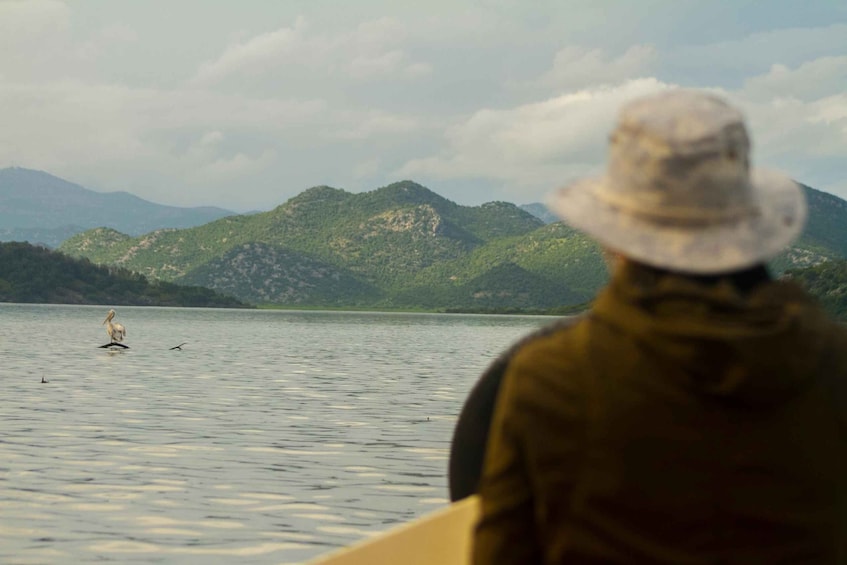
(696, 413)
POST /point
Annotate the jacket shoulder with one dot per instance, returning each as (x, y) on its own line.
(470, 436)
(834, 366)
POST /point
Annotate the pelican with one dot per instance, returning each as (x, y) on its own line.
(116, 331)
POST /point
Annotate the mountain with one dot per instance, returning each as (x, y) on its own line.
(368, 248)
(541, 211)
(271, 274)
(40, 208)
(827, 223)
(400, 246)
(30, 273)
(824, 237)
(828, 282)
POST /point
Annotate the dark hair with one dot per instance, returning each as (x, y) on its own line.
(744, 280)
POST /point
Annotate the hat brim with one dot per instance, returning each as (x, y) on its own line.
(699, 249)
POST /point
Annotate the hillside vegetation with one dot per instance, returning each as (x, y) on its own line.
(400, 246)
(35, 274)
(827, 282)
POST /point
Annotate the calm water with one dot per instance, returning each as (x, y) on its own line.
(272, 437)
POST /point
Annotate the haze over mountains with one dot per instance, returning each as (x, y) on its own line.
(40, 208)
(399, 246)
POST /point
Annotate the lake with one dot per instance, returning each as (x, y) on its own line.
(271, 437)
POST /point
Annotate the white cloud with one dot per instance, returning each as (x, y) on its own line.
(106, 39)
(70, 127)
(578, 67)
(366, 52)
(373, 34)
(258, 54)
(530, 148)
(808, 81)
(533, 146)
(789, 126)
(798, 119)
(32, 20)
(807, 140)
(417, 70)
(364, 66)
(33, 37)
(461, 96)
(833, 109)
(755, 53)
(228, 168)
(367, 169)
(207, 147)
(368, 125)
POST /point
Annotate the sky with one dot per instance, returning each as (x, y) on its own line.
(243, 105)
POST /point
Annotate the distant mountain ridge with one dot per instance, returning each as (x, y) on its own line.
(400, 246)
(541, 211)
(40, 208)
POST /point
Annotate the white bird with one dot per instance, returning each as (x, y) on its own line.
(116, 331)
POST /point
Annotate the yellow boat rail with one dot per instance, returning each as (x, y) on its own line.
(442, 537)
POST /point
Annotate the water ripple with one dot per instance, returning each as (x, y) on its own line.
(272, 437)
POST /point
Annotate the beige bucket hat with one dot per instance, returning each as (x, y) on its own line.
(679, 192)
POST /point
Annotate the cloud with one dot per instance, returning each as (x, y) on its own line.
(784, 127)
(228, 168)
(373, 34)
(367, 169)
(68, 127)
(33, 36)
(371, 124)
(798, 119)
(257, 54)
(32, 20)
(257, 104)
(807, 140)
(532, 147)
(106, 39)
(383, 63)
(733, 61)
(366, 52)
(208, 160)
(528, 149)
(207, 146)
(40, 42)
(808, 81)
(579, 67)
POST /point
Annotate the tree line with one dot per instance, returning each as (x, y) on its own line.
(34, 274)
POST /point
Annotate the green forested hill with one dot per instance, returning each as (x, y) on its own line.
(828, 282)
(565, 268)
(827, 220)
(37, 275)
(381, 236)
(374, 244)
(400, 246)
(269, 274)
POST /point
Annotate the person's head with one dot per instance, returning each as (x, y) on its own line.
(679, 193)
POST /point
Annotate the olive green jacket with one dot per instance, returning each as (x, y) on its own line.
(676, 423)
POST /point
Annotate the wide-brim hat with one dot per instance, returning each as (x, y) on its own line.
(679, 192)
